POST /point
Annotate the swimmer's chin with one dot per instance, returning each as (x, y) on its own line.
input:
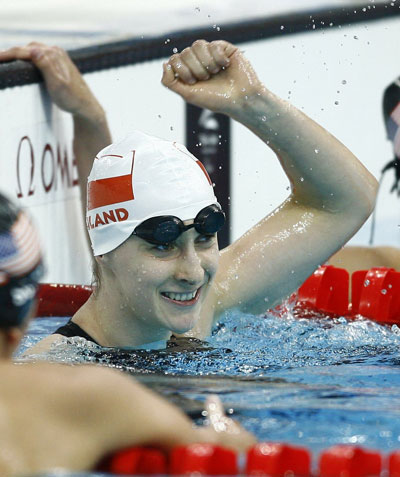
(183, 327)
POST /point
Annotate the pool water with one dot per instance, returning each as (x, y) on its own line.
(311, 382)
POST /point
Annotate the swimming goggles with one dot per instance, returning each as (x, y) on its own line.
(167, 228)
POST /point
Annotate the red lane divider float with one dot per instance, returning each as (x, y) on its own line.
(56, 299)
(349, 461)
(266, 459)
(135, 461)
(375, 293)
(275, 460)
(203, 459)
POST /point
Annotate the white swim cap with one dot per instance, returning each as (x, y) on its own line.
(138, 178)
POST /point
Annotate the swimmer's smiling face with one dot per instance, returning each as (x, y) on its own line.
(163, 287)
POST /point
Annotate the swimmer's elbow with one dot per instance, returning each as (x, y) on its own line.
(364, 202)
(356, 201)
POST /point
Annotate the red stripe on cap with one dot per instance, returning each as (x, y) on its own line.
(110, 191)
(204, 170)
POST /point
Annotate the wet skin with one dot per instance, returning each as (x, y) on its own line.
(163, 287)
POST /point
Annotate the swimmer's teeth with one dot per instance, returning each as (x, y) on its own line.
(180, 296)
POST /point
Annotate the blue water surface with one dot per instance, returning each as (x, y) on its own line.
(311, 382)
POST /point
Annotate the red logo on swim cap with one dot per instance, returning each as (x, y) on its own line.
(113, 190)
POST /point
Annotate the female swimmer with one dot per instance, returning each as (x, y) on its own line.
(152, 216)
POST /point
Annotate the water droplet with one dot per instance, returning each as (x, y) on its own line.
(197, 9)
(263, 118)
(175, 50)
(355, 37)
(344, 82)
(167, 40)
(383, 291)
(302, 179)
(316, 151)
(159, 115)
(366, 283)
(171, 128)
(336, 102)
(390, 285)
(282, 27)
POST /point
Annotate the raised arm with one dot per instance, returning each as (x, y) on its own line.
(332, 194)
(69, 91)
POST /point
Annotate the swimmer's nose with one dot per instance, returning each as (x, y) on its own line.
(189, 267)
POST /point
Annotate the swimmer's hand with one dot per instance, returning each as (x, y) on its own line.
(225, 431)
(64, 83)
(214, 76)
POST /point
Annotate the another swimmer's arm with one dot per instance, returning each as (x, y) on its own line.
(69, 91)
(124, 413)
(332, 193)
(354, 258)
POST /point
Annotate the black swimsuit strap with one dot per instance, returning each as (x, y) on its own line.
(71, 329)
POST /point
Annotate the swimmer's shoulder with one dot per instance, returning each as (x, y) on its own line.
(44, 345)
(71, 402)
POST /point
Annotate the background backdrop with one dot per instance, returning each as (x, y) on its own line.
(334, 66)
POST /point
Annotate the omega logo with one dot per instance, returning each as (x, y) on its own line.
(44, 172)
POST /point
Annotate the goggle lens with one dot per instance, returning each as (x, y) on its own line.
(166, 231)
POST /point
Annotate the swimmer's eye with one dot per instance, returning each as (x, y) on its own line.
(206, 239)
(167, 247)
